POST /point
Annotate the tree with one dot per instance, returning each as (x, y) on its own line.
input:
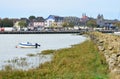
(32, 17)
(0, 23)
(6, 23)
(91, 23)
(117, 24)
(72, 21)
(71, 24)
(65, 24)
(68, 24)
(22, 24)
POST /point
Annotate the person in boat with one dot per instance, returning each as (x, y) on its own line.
(36, 45)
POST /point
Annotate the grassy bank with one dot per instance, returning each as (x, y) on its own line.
(81, 61)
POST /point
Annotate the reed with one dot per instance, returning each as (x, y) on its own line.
(82, 61)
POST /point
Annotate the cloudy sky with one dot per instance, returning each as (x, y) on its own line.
(24, 8)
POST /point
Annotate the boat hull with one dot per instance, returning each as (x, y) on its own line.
(28, 45)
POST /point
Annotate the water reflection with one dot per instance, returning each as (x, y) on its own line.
(26, 62)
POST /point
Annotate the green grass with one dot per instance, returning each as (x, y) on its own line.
(82, 61)
(45, 52)
(31, 55)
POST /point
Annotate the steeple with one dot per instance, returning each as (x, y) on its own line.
(100, 17)
(100, 20)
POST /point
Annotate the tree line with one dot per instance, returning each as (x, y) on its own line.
(6, 22)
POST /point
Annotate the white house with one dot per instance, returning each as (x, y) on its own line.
(36, 24)
(53, 21)
(16, 25)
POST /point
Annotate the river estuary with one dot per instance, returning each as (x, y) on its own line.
(17, 57)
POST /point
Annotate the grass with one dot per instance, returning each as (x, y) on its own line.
(45, 52)
(82, 61)
(31, 55)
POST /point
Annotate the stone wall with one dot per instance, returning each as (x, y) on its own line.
(109, 45)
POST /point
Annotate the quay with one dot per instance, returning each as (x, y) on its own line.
(41, 32)
(107, 31)
(54, 32)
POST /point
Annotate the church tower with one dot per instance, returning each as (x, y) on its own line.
(100, 20)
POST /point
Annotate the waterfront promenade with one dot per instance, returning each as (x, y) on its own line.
(42, 32)
(53, 32)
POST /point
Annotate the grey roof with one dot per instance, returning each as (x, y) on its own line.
(57, 18)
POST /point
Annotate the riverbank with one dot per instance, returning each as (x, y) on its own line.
(43, 32)
(109, 45)
(54, 32)
(82, 61)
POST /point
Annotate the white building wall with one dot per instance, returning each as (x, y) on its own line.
(36, 24)
(16, 25)
(49, 22)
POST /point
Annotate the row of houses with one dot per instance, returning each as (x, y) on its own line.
(108, 24)
(51, 21)
(40, 22)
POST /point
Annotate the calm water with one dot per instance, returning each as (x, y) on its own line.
(8, 43)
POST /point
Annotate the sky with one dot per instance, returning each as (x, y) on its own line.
(25, 8)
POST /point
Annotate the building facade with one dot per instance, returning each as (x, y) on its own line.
(100, 21)
(37, 23)
(53, 21)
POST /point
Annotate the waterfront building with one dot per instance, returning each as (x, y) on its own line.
(37, 23)
(105, 23)
(100, 21)
(16, 25)
(84, 19)
(54, 21)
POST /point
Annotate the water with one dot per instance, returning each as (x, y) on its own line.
(8, 43)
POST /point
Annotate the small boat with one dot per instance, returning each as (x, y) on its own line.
(28, 45)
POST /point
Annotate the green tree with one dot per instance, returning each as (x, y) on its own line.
(65, 24)
(32, 17)
(0, 23)
(91, 23)
(71, 24)
(22, 24)
(72, 20)
(6, 23)
(117, 24)
(68, 24)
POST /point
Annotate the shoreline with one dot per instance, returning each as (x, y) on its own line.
(69, 63)
(80, 32)
(109, 46)
(41, 32)
(34, 50)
